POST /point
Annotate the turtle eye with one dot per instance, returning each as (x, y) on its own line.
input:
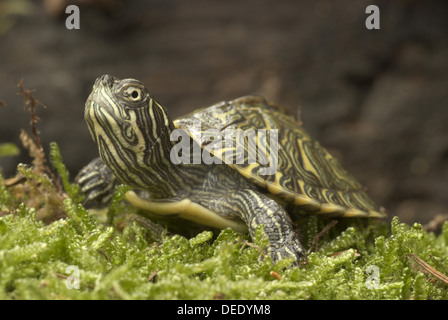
(133, 94)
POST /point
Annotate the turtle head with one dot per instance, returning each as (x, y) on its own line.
(128, 126)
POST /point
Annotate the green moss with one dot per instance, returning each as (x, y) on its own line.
(8, 149)
(119, 259)
(56, 159)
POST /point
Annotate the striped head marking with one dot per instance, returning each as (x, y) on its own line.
(127, 125)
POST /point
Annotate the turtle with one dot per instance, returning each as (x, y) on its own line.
(223, 179)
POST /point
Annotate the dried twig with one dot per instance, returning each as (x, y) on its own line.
(34, 151)
(355, 253)
(320, 234)
(35, 147)
(28, 99)
(11, 182)
(427, 269)
(152, 277)
(250, 244)
(436, 222)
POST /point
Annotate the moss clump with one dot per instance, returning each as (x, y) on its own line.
(8, 149)
(118, 259)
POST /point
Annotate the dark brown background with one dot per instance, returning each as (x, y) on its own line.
(378, 100)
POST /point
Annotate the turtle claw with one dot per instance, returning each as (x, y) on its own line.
(293, 251)
(97, 183)
(291, 248)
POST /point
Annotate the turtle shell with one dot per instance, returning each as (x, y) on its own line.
(304, 174)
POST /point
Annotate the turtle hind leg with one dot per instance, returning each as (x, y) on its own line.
(257, 209)
(97, 183)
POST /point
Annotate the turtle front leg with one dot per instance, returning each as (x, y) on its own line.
(97, 183)
(257, 209)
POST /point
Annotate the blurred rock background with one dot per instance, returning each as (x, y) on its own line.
(378, 100)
